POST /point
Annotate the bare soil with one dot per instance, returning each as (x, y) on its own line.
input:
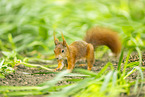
(25, 76)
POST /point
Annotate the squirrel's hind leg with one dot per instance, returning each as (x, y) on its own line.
(90, 56)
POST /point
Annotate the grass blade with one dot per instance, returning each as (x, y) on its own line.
(120, 61)
(104, 69)
(23, 93)
(142, 77)
(129, 73)
(126, 61)
(140, 55)
(36, 65)
(86, 72)
(1, 63)
(114, 79)
(106, 81)
(18, 88)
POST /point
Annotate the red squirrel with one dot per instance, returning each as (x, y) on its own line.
(84, 49)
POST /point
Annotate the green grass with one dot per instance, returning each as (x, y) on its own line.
(26, 35)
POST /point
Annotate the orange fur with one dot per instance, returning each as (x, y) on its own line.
(103, 36)
(85, 49)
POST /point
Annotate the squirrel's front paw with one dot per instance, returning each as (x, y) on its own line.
(57, 69)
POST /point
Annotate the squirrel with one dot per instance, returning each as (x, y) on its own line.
(84, 49)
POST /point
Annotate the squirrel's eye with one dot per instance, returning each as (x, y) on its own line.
(62, 51)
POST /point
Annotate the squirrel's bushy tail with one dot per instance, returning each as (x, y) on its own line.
(102, 36)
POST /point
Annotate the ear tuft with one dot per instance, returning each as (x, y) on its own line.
(64, 42)
(56, 41)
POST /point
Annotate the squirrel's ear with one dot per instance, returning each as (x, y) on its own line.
(64, 42)
(56, 41)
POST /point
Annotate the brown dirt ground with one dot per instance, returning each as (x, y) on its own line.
(25, 76)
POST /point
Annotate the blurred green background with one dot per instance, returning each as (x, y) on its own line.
(26, 26)
(26, 36)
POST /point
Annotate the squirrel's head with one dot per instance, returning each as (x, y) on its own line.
(61, 48)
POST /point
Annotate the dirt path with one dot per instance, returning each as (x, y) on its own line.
(25, 76)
